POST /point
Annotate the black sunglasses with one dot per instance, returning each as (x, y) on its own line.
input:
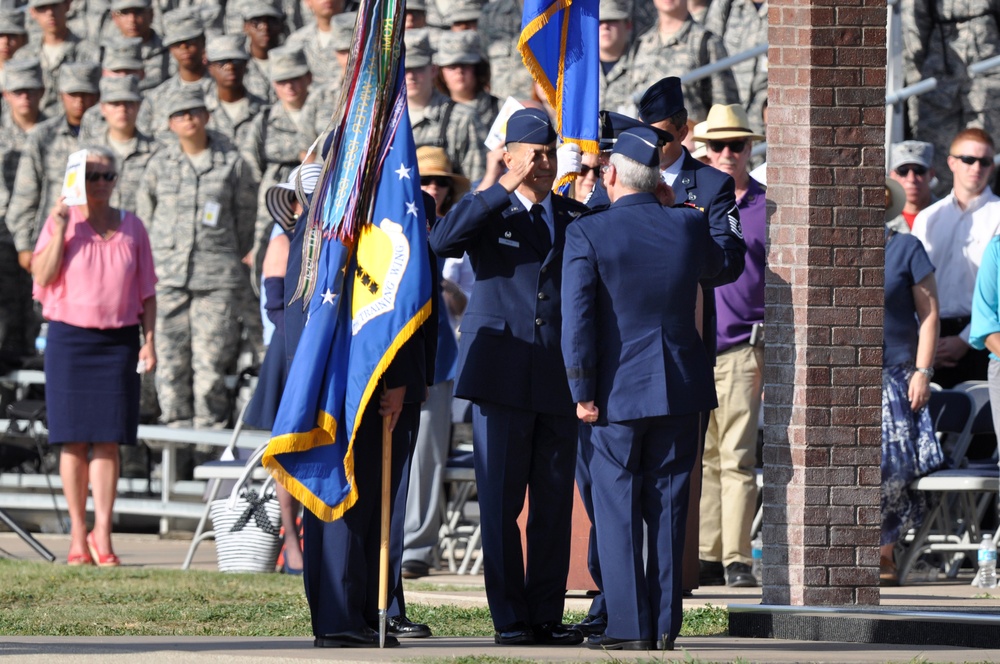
(968, 160)
(437, 180)
(107, 176)
(585, 170)
(734, 146)
(906, 169)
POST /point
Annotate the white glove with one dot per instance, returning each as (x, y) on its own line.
(568, 160)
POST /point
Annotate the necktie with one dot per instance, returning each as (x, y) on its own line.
(541, 228)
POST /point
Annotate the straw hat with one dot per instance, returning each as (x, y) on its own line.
(726, 122)
(434, 161)
(895, 199)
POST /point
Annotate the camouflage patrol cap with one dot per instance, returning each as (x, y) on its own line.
(616, 10)
(23, 75)
(911, 152)
(119, 89)
(44, 3)
(287, 62)
(343, 30)
(188, 98)
(121, 5)
(465, 10)
(459, 48)
(181, 25)
(79, 77)
(416, 6)
(418, 48)
(121, 53)
(250, 9)
(226, 47)
(12, 22)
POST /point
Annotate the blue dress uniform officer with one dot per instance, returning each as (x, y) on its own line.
(511, 368)
(640, 376)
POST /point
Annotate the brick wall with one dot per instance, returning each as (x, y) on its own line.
(824, 301)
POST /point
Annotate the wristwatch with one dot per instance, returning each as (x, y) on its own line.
(927, 372)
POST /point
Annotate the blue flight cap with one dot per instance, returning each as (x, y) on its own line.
(613, 124)
(530, 125)
(640, 144)
(662, 100)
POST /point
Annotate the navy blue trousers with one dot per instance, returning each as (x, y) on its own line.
(516, 451)
(583, 482)
(641, 473)
(341, 558)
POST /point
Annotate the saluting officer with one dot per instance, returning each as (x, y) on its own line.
(640, 376)
(511, 368)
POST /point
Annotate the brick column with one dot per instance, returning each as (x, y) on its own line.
(824, 301)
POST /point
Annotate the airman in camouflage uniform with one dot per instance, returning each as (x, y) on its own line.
(436, 119)
(615, 37)
(262, 24)
(40, 171)
(316, 39)
(500, 28)
(275, 145)
(941, 38)
(231, 106)
(460, 58)
(122, 57)
(742, 25)
(22, 89)
(688, 46)
(120, 101)
(13, 34)
(322, 100)
(71, 48)
(134, 19)
(198, 200)
(185, 37)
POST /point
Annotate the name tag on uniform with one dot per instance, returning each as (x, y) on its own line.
(509, 243)
(211, 216)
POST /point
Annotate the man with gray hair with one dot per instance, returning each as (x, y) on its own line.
(40, 172)
(640, 377)
(911, 165)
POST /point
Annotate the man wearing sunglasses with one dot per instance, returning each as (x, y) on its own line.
(955, 232)
(910, 163)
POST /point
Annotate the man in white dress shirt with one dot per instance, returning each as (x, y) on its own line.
(955, 232)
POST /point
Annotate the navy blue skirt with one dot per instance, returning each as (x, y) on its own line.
(91, 386)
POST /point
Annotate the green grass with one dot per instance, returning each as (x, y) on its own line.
(57, 600)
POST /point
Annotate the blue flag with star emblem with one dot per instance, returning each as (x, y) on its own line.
(372, 292)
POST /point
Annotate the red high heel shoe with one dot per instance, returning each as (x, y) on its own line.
(110, 560)
(79, 560)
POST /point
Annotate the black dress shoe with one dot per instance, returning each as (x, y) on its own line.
(711, 573)
(402, 628)
(414, 569)
(362, 638)
(517, 634)
(592, 625)
(605, 642)
(557, 634)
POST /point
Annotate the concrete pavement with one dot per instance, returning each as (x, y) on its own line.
(150, 551)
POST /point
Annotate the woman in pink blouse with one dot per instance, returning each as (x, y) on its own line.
(93, 272)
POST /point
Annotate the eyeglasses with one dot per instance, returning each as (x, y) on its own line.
(586, 170)
(438, 181)
(261, 22)
(734, 146)
(107, 176)
(918, 170)
(969, 160)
